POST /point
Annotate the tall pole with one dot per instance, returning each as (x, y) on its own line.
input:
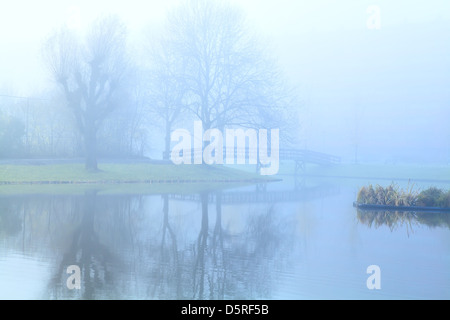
(26, 128)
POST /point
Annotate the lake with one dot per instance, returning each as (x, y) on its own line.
(294, 239)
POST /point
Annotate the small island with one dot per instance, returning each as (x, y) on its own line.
(395, 198)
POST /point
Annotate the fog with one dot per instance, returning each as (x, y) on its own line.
(130, 132)
(364, 94)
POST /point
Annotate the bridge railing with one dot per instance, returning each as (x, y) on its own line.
(237, 153)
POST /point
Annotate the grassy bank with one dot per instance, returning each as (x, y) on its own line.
(121, 173)
(121, 179)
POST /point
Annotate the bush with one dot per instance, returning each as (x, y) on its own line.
(444, 200)
(430, 197)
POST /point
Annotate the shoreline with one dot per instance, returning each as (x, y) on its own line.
(125, 172)
(130, 182)
(124, 175)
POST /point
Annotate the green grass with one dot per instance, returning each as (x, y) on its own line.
(121, 179)
(120, 173)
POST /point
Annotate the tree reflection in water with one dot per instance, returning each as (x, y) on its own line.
(398, 219)
(11, 217)
(132, 246)
(223, 259)
(86, 251)
(168, 273)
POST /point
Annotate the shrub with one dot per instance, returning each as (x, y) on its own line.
(430, 197)
(444, 200)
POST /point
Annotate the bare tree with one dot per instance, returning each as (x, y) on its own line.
(166, 89)
(92, 73)
(228, 78)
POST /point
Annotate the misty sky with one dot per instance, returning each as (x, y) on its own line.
(394, 81)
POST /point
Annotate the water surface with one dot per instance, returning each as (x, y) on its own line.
(287, 240)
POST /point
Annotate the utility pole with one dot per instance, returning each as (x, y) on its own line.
(27, 140)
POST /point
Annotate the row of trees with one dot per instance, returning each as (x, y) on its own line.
(205, 66)
(43, 127)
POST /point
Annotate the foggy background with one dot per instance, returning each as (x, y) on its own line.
(365, 95)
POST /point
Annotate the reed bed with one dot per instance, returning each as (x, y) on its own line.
(393, 195)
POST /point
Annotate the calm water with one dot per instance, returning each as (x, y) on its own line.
(288, 240)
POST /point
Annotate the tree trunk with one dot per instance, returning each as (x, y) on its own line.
(167, 143)
(90, 142)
